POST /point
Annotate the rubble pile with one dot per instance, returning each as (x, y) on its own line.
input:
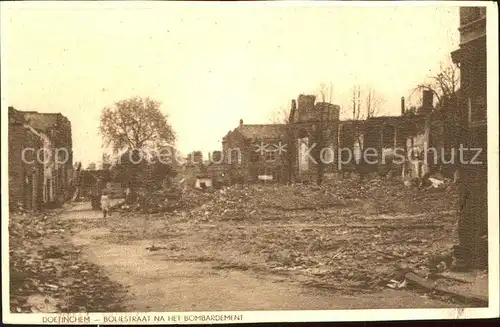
(157, 201)
(377, 195)
(251, 201)
(192, 198)
(47, 274)
(349, 234)
(343, 256)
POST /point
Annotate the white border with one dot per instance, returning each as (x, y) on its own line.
(301, 315)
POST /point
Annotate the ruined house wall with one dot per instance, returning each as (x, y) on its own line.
(43, 180)
(58, 141)
(347, 140)
(64, 140)
(273, 163)
(305, 108)
(25, 175)
(236, 152)
(408, 135)
(17, 141)
(315, 124)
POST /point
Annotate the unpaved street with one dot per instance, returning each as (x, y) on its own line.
(235, 249)
(185, 274)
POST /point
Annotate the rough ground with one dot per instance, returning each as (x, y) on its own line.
(47, 273)
(259, 247)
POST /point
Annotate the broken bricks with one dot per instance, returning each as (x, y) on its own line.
(53, 278)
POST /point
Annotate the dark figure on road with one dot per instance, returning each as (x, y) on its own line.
(96, 195)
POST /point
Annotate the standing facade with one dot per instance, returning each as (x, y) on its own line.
(473, 215)
(40, 159)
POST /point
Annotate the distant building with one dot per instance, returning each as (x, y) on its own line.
(195, 158)
(40, 159)
(251, 153)
(203, 182)
(314, 140)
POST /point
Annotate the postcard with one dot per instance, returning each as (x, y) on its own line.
(237, 162)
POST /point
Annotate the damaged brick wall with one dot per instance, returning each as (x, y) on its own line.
(313, 139)
(58, 129)
(25, 172)
(37, 132)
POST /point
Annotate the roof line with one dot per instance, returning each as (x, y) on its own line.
(42, 113)
(262, 125)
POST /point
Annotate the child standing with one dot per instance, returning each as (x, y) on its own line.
(105, 203)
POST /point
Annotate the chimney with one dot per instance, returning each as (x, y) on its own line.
(293, 109)
(427, 100)
(306, 102)
(402, 106)
(241, 122)
(306, 108)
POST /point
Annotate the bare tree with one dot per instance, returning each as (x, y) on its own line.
(325, 95)
(357, 115)
(444, 85)
(364, 104)
(325, 92)
(280, 116)
(106, 161)
(373, 104)
(356, 103)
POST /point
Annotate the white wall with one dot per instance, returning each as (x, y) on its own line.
(207, 181)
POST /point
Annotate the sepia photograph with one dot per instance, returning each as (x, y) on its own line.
(181, 162)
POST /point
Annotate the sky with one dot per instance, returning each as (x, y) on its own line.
(211, 65)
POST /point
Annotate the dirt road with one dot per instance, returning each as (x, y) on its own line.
(172, 280)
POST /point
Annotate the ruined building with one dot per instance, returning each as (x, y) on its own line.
(271, 152)
(315, 144)
(471, 58)
(40, 159)
(401, 142)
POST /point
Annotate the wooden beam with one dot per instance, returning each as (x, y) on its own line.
(431, 285)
